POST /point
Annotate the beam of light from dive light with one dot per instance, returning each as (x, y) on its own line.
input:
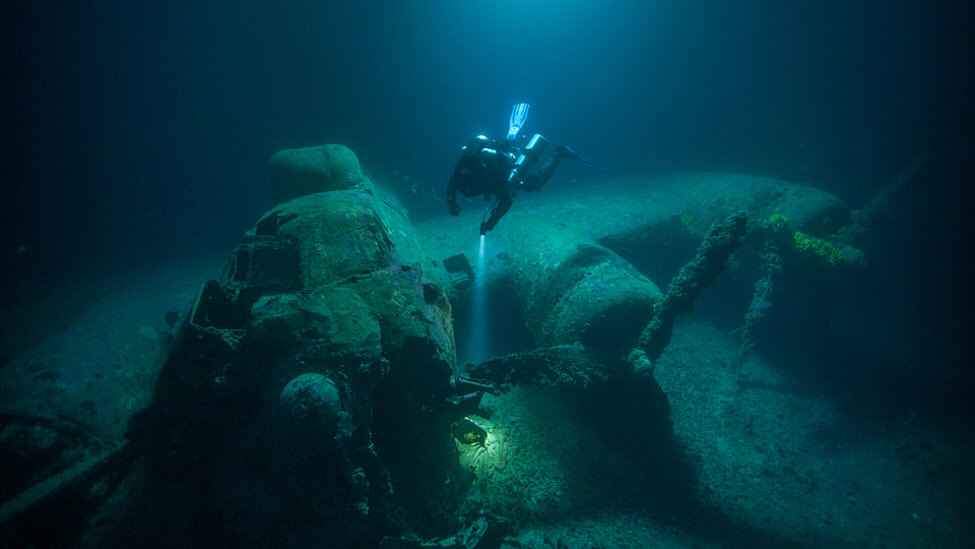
(478, 333)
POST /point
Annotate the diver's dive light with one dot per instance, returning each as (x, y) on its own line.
(518, 116)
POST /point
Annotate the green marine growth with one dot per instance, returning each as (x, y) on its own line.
(778, 222)
(806, 244)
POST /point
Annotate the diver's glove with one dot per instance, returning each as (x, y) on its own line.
(485, 227)
(454, 209)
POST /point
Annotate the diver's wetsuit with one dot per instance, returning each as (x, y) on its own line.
(484, 169)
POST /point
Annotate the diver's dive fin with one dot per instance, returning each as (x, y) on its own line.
(566, 152)
(587, 163)
(518, 116)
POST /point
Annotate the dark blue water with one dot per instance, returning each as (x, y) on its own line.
(130, 128)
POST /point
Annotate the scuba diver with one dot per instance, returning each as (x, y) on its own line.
(502, 168)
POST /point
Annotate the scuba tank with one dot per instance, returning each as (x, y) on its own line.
(526, 161)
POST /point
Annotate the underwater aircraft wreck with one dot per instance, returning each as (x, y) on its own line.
(314, 390)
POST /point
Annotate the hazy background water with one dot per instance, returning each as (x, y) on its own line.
(139, 131)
